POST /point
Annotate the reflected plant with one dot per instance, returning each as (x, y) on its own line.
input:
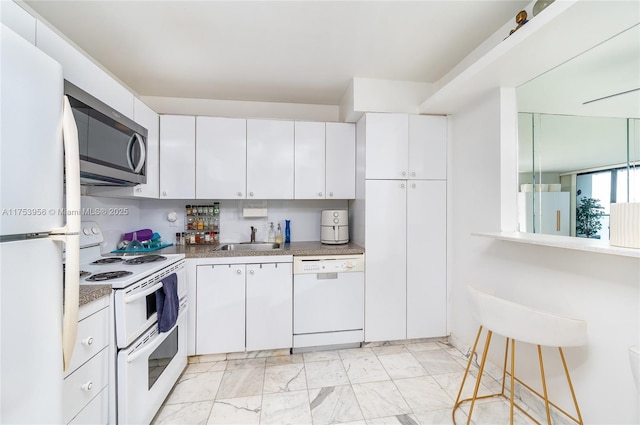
(588, 216)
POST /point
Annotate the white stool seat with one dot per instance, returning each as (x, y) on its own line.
(524, 323)
(517, 322)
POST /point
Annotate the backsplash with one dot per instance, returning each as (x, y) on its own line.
(118, 216)
(304, 216)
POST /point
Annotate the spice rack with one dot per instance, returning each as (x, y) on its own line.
(202, 224)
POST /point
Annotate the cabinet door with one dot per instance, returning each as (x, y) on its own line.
(340, 161)
(270, 159)
(386, 146)
(221, 158)
(309, 160)
(177, 157)
(426, 259)
(386, 275)
(147, 118)
(427, 147)
(269, 306)
(553, 209)
(220, 317)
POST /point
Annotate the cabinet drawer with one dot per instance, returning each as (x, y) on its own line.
(80, 387)
(93, 336)
(96, 412)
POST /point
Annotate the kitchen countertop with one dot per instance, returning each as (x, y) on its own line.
(293, 248)
(90, 293)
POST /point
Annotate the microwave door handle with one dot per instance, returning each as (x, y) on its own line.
(143, 294)
(135, 138)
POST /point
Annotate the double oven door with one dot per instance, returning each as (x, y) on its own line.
(148, 362)
(148, 369)
(135, 305)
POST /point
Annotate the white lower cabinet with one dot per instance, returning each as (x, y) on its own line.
(269, 306)
(405, 295)
(243, 307)
(85, 387)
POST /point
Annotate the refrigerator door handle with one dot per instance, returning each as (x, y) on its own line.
(72, 172)
(71, 294)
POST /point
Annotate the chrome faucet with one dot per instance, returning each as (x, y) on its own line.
(253, 234)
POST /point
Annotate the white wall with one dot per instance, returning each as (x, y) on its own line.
(602, 289)
(114, 217)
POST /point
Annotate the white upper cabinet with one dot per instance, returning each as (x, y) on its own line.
(386, 148)
(270, 159)
(401, 146)
(340, 168)
(83, 72)
(309, 160)
(177, 157)
(221, 158)
(427, 147)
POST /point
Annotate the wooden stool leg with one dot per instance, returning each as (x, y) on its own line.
(544, 386)
(513, 374)
(464, 377)
(504, 366)
(480, 372)
(573, 394)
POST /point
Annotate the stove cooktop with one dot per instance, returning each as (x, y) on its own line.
(120, 274)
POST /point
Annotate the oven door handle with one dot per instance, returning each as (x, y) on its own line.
(143, 294)
(155, 344)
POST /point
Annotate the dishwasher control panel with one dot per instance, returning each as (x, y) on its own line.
(328, 264)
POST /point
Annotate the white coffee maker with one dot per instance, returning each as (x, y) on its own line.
(334, 228)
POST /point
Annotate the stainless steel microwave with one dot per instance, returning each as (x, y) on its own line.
(113, 148)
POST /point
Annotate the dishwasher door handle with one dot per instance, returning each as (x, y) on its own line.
(322, 276)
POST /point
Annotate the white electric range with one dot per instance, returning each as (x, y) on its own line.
(148, 361)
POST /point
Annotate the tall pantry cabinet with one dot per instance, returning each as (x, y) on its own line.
(401, 198)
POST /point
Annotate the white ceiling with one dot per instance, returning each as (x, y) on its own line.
(295, 51)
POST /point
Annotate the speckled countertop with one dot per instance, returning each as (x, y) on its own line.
(293, 248)
(90, 293)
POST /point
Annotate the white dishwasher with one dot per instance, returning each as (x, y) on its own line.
(328, 301)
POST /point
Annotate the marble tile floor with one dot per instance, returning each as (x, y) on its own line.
(393, 383)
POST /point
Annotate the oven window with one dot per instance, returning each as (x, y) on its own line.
(160, 358)
(151, 304)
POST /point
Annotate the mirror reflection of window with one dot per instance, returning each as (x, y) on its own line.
(566, 161)
(579, 135)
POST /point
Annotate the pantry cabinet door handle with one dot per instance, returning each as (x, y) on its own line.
(319, 193)
(250, 193)
(331, 194)
(239, 193)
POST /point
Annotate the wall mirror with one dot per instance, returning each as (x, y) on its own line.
(579, 140)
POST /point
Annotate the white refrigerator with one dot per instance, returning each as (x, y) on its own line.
(39, 219)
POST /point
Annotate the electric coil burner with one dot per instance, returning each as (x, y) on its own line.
(109, 260)
(98, 277)
(145, 259)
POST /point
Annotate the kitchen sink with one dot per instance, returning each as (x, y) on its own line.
(250, 246)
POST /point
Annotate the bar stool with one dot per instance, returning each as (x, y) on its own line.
(518, 322)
